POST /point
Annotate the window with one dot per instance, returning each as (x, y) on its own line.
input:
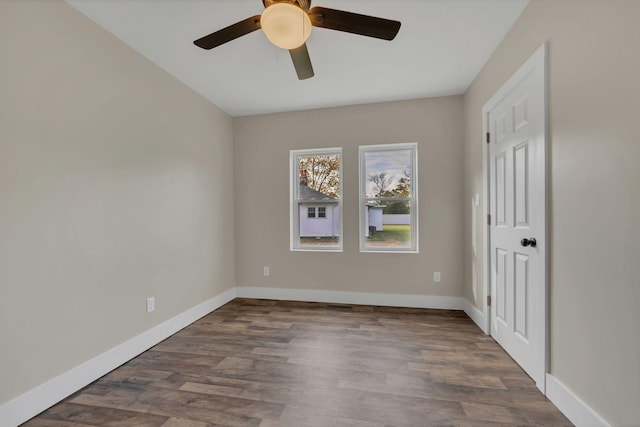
(316, 200)
(388, 198)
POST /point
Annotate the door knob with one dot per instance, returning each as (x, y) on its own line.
(529, 242)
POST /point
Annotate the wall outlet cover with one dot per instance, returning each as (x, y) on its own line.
(151, 304)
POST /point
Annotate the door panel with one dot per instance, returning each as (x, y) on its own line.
(501, 284)
(521, 174)
(521, 282)
(517, 191)
(520, 113)
(501, 189)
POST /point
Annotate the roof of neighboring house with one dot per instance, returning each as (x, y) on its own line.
(307, 193)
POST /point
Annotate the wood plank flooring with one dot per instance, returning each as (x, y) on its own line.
(275, 363)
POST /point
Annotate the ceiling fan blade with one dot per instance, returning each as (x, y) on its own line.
(302, 62)
(355, 23)
(229, 33)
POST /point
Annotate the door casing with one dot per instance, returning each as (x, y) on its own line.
(538, 59)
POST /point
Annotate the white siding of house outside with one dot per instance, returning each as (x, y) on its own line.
(375, 217)
(320, 227)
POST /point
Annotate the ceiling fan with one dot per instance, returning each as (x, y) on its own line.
(287, 24)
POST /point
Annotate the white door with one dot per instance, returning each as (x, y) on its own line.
(517, 189)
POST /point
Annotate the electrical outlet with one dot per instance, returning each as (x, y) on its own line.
(266, 270)
(436, 276)
(151, 304)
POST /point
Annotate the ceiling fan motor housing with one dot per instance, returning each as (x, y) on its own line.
(303, 4)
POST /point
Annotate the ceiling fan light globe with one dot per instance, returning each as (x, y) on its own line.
(287, 26)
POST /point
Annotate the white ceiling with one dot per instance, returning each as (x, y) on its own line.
(441, 47)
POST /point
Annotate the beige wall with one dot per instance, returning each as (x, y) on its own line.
(115, 185)
(594, 66)
(262, 145)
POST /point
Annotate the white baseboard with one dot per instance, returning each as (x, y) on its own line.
(344, 297)
(476, 315)
(578, 412)
(33, 402)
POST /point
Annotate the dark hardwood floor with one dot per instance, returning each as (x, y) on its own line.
(276, 363)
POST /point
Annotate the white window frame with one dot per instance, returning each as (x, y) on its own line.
(311, 209)
(362, 150)
(294, 203)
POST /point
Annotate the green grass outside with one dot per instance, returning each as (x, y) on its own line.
(396, 234)
(391, 235)
(327, 241)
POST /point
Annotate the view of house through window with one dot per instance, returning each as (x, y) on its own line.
(388, 198)
(316, 202)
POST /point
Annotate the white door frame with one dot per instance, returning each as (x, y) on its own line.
(538, 59)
